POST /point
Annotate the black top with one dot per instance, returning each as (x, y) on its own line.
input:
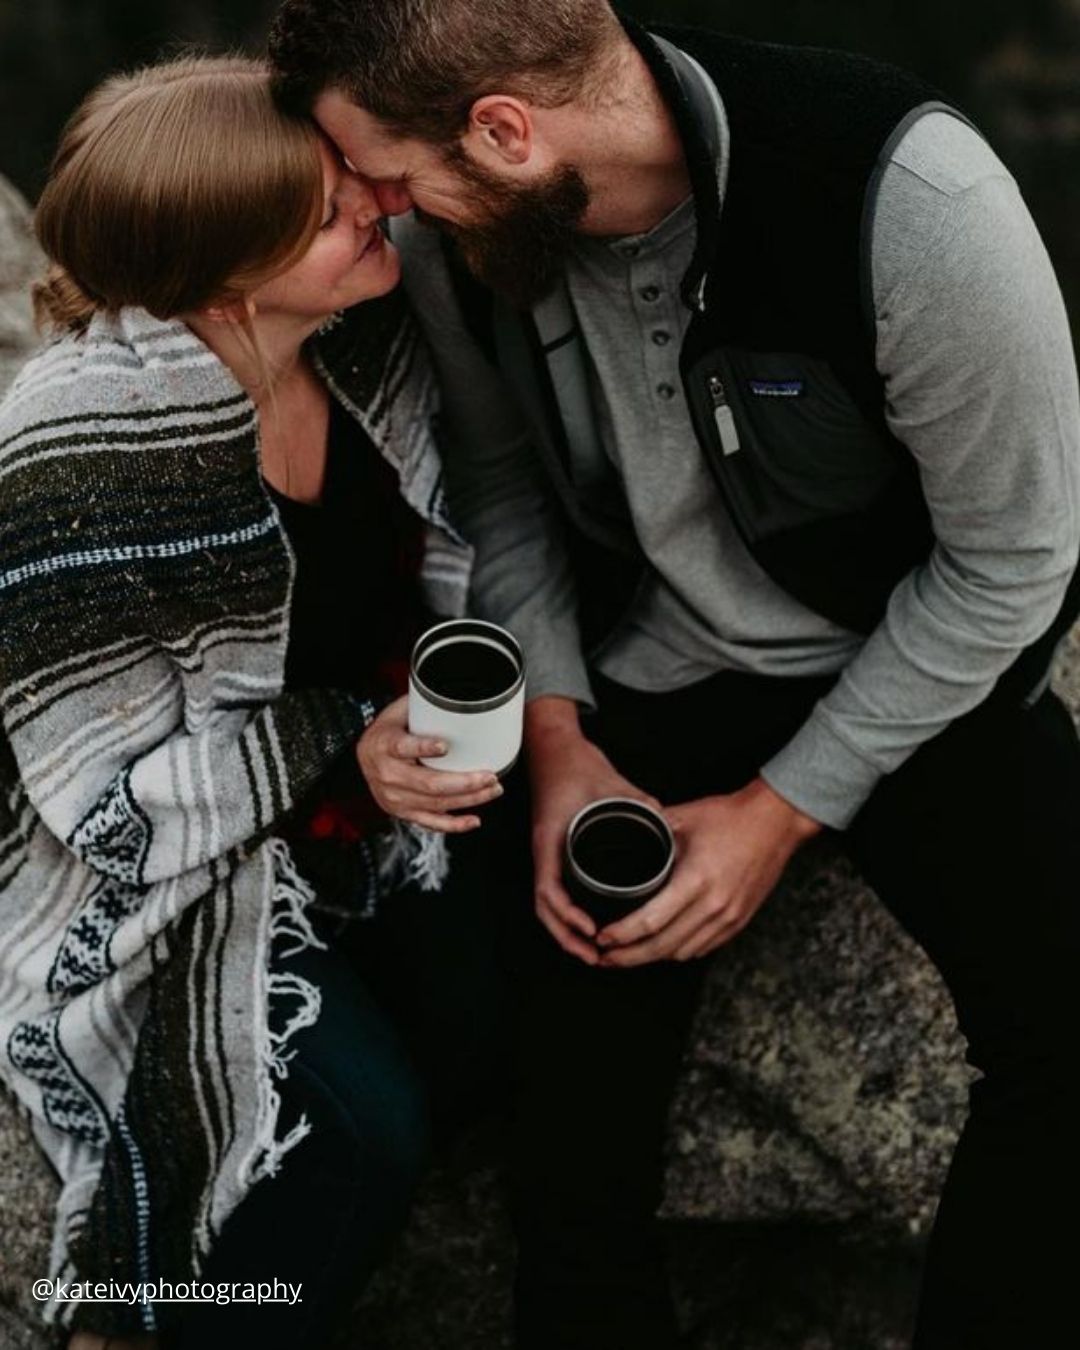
(356, 610)
(356, 605)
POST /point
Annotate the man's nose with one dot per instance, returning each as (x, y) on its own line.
(394, 199)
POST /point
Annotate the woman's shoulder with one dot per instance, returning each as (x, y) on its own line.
(116, 399)
(124, 366)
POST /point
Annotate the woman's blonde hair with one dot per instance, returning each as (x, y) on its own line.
(175, 187)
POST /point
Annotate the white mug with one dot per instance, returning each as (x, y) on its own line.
(467, 687)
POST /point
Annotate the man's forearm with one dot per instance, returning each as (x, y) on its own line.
(982, 392)
(549, 717)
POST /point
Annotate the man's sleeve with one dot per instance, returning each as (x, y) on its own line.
(974, 345)
(499, 494)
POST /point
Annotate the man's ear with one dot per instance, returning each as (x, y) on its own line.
(500, 131)
(230, 309)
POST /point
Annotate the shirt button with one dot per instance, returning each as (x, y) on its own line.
(631, 250)
(666, 391)
(661, 338)
(650, 294)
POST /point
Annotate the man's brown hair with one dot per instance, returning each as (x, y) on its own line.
(420, 65)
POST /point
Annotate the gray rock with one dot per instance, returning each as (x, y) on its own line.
(27, 1196)
(27, 1183)
(20, 264)
(1067, 672)
(826, 1078)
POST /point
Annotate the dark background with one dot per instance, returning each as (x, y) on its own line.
(1013, 64)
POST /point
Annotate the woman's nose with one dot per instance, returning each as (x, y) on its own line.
(361, 200)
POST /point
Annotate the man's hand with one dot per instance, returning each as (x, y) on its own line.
(566, 771)
(732, 850)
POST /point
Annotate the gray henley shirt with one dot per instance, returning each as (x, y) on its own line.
(980, 378)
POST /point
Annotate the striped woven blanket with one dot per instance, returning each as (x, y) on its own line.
(147, 752)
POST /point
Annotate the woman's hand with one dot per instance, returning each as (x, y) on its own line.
(387, 753)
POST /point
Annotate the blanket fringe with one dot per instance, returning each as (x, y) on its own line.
(407, 855)
(411, 854)
(291, 897)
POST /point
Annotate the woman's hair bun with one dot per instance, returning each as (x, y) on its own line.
(60, 303)
(149, 203)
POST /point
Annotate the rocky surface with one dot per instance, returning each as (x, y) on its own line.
(26, 1182)
(822, 1093)
(27, 1190)
(826, 1076)
(823, 1089)
(20, 263)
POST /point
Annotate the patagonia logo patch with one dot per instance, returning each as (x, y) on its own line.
(778, 388)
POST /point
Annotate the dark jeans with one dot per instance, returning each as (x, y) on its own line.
(974, 845)
(409, 1045)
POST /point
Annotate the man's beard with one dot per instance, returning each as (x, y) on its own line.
(520, 244)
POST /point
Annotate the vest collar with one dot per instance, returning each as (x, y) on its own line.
(695, 104)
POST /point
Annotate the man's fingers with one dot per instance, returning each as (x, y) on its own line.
(687, 931)
(708, 937)
(566, 937)
(547, 869)
(682, 930)
(551, 894)
(654, 916)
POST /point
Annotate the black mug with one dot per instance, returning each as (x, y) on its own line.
(618, 854)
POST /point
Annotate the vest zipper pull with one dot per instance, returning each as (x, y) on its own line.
(725, 418)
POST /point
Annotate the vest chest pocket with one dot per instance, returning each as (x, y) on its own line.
(786, 441)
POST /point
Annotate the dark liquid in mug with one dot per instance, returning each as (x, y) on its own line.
(468, 671)
(619, 852)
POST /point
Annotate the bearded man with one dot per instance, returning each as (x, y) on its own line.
(766, 431)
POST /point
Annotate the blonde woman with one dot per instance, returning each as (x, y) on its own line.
(221, 526)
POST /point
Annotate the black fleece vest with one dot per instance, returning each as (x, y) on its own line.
(778, 364)
(782, 348)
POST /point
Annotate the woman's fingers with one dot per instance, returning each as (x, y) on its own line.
(399, 799)
(437, 783)
(408, 746)
(430, 820)
(397, 712)
(390, 732)
(389, 753)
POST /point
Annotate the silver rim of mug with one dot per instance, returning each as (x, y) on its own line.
(480, 629)
(634, 810)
